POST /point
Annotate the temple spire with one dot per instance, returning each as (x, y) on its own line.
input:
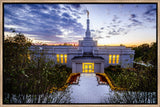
(88, 30)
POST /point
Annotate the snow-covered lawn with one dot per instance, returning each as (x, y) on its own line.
(88, 90)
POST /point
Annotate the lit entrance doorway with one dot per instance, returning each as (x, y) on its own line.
(88, 67)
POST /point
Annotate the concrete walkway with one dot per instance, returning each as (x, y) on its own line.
(88, 90)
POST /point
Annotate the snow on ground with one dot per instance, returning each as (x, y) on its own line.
(88, 90)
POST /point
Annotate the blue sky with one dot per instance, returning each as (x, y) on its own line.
(110, 24)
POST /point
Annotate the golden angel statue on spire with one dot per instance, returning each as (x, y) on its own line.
(87, 13)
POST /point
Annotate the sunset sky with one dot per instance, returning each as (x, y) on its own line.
(110, 24)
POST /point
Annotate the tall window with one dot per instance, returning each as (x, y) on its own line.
(65, 58)
(57, 58)
(113, 59)
(110, 58)
(117, 61)
(61, 58)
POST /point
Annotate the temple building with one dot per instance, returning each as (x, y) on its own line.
(88, 57)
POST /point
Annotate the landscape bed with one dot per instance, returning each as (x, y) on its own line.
(101, 79)
(113, 87)
(72, 79)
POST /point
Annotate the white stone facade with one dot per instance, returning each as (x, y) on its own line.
(89, 52)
